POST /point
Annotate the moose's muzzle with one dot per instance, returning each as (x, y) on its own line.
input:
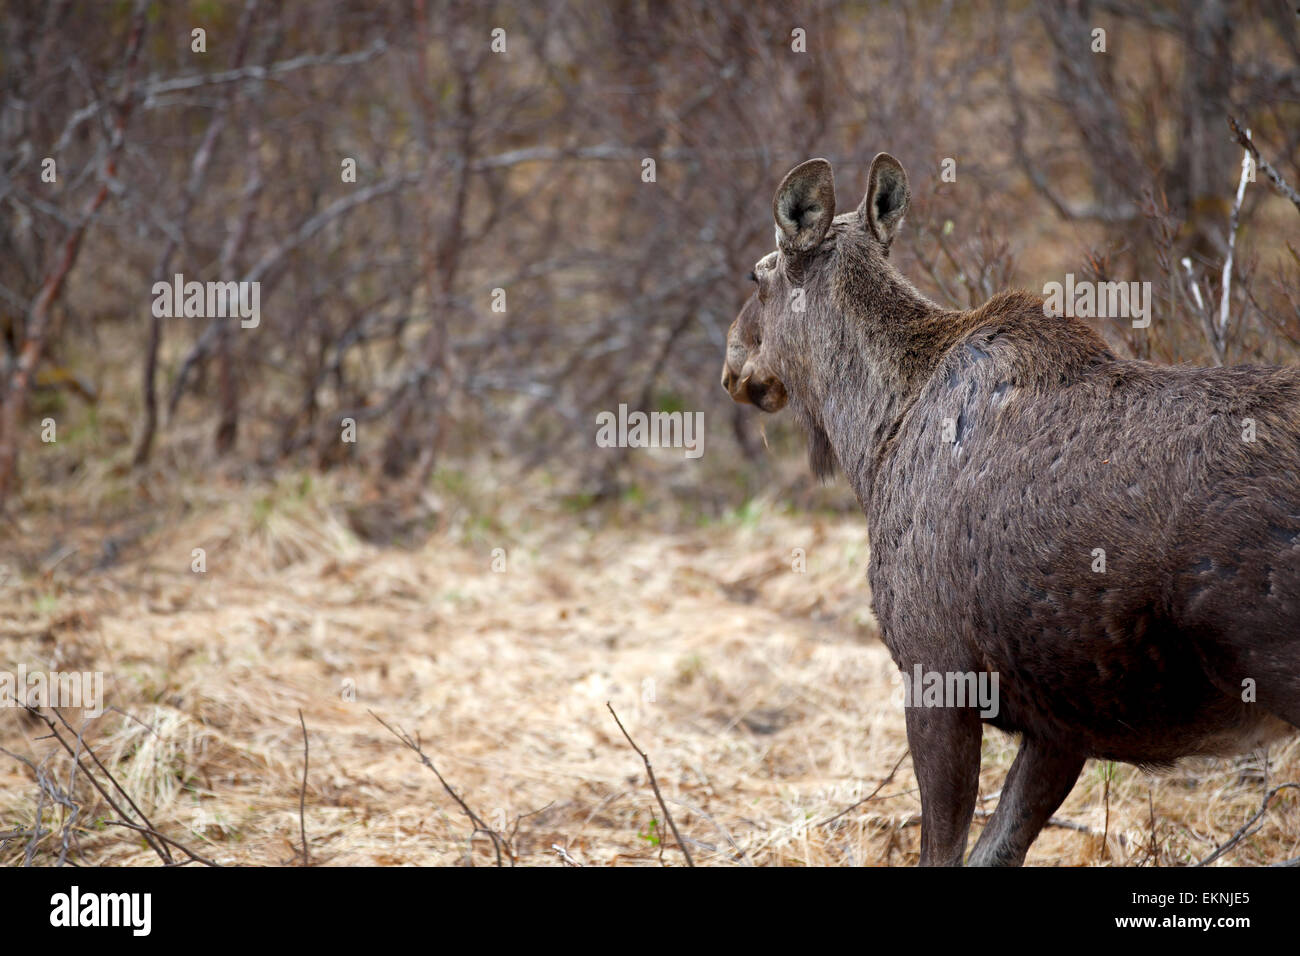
(752, 387)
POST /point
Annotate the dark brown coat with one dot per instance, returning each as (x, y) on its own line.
(985, 535)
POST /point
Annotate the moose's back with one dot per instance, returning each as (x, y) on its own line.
(1119, 541)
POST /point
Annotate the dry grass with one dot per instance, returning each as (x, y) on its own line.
(762, 695)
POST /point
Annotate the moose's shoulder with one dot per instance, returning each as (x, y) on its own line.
(1009, 348)
(1010, 338)
(1011, 335)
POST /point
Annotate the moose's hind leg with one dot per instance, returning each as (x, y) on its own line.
(945, 745)
(1040, 779)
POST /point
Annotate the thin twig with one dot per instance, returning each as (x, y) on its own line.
(44, 787)
(654, 784)
(563, 854)
(1242, 832)
(150, 832)
(1233, 224)
(1105, 833)
(158, 848)
(156, 840)
(154, 93)
(514, 830)
(1153, 846)
(302, 795)
(1284, 187)
(111, 779)
(413, 743)
(872, 794)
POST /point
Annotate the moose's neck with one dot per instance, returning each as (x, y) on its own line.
(892, 340)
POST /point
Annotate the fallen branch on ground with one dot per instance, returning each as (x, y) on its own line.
(654, 785)
(1245, 830)
(302, 794)
(159, 843)
(499, 841)
(871, 795)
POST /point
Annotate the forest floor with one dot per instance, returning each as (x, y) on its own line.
(761, 693)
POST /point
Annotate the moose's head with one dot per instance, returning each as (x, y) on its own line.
(820, 276)
(800, 336)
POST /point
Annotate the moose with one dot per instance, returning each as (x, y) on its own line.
(1117, 541)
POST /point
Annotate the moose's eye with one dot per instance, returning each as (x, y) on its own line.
(752, 277)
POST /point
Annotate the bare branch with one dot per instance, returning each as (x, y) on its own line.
(872, 795)
(499, 842)
(654, 785)
(302, 794)
(1284, 187)
(1245, 829)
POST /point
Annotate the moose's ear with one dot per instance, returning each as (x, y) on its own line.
(804, 206)
(886, 200)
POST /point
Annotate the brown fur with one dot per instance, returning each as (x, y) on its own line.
(982, 548)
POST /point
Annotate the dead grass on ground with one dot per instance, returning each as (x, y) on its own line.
(762, 695)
